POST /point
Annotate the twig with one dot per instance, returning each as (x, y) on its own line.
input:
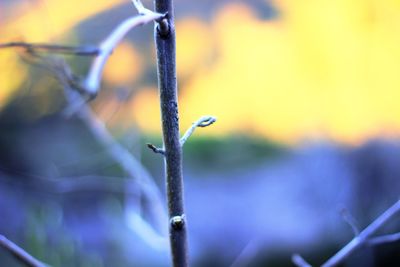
(156, 149)
(140, 8)
(53, 48)
(247, 254)
(299, 261)
(202, 122)
(379, 240)
(20, 254)
(128, 163)
(363, 237)
(350, 220)
(123, 157)
(92, 81)
(61, 70)
(71, 185)
(167, 84)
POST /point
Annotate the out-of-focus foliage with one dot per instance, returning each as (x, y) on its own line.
(37, 21)
(286, 70)
(320, 69)
(317, 69)
(124, 66)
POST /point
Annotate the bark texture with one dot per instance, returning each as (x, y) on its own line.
(167, 83)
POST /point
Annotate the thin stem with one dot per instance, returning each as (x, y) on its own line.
(379, 240)
(166, 66)
(363, 237)
(140, 8)
(92, 82)
(20, 254)
(202, 122)
(299, 261)
(350, 220)
(156, 149)
(248, 253)
(53, 48)
(122, 156)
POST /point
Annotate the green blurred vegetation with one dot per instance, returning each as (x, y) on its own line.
(224, 153)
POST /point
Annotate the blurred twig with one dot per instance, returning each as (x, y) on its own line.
(299, 261)
(20, 254)
(363, 238)
(92, 82)
(124, 158)
(379, 240)
(248, 253)
(140, 8)
(53, 48)
(350, 220)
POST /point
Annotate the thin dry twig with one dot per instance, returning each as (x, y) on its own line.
(53, 48)
(248, 253)
(92, 82)
(363, 237)
(202, 122)
(140, 8)
(350, 220)
(155, 149)
(128, 163)
(20, 254)
(299, 261)
(379, 240)
(124, 158)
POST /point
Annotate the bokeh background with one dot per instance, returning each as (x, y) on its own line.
(306, 95)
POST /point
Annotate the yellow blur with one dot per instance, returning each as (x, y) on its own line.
(323, 69)
(38, 21)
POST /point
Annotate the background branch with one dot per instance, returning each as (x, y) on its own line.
(20, 254)
(299, 261)
(53, 48)
(379, 240)
(350, 220)
(363, 237)
(92, 82)
(132, 167)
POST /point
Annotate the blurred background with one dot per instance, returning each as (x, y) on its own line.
(306, 95)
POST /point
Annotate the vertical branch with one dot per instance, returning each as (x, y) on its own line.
(165, 46)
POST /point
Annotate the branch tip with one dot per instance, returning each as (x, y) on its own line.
(202, 122)
(350, 220)
(206, 121)
(156, 149)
